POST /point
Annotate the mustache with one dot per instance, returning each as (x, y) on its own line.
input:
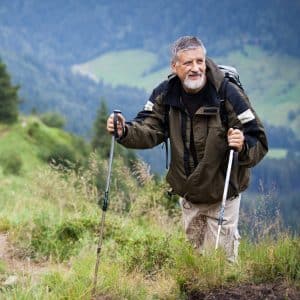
(195, 73)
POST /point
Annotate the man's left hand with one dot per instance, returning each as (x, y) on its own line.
(235, 139)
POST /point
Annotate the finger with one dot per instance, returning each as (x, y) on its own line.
(230, 131)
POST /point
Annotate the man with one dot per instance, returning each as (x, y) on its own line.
(200, 141)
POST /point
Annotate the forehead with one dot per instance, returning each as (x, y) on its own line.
(197, 53)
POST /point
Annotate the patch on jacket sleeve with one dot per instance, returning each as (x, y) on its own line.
(246, 116)
(148, 106)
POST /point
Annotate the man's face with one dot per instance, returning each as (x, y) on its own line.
(190, 67)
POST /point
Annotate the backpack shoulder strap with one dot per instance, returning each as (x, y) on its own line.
(166, 133)
(222, 98)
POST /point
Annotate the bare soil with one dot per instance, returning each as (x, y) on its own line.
(279, 290)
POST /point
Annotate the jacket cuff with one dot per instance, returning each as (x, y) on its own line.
(124, 134)
(244, 154)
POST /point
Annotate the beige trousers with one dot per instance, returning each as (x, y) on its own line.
(201, 225)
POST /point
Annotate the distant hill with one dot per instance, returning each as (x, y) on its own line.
(66, 32)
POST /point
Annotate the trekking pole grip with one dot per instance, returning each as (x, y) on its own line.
(116, 112)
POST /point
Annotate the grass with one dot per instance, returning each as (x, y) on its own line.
(144, 255)
(51, 216)
(128, 67)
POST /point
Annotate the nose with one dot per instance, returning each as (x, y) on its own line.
(195, 66)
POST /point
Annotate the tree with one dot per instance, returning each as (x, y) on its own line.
(9, 98)
(101, 140)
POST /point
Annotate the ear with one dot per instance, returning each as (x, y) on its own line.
(173, 67)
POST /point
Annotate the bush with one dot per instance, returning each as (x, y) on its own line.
(53, 119)
(60, 154)
(59, 241)
(11, 163)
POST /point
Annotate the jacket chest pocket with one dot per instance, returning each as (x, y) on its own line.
(205, 119)
(207, 125)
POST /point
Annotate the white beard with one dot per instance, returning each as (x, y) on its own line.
(195, 84)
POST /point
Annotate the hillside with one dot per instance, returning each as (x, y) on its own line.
(49, 226)
(30, 144)
(73, 31)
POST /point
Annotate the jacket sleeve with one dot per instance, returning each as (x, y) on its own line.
(146, 130)
(242, 115)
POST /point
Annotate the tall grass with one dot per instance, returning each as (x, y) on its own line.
(145, 254)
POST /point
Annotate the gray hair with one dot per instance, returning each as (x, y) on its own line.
(185, 43)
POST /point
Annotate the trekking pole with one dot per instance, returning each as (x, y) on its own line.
(105, 200)
(221, 215)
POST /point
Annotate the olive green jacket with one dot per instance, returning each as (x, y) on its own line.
(202, 182)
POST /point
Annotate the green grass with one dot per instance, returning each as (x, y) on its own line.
(144, 256)
(52, 217)
(129, 67)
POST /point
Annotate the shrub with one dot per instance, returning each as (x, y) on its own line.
(53, 119)
(145, 252)
(59, 241)
(60, 154)
(11, 163)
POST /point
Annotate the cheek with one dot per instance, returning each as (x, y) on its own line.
(182, 73)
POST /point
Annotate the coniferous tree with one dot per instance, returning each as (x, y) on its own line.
(9, 98)
(101, 139)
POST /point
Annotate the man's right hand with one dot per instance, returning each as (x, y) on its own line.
(120, 124)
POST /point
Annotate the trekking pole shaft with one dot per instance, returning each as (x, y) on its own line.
(105, 202)
(227, 178)
(106, 194)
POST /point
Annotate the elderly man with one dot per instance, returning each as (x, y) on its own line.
(189, 107)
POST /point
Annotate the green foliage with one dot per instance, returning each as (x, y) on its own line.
(60, 154)
(53, 119)
(52, 216)
(101, 139)
(8, 97)
(11, 163)
(146, 252)
(56, 146)
(272, 260)
(58, 241)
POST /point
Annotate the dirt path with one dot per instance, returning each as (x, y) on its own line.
(17, 269)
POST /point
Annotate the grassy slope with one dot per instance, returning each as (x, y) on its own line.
(29, 141)
(272, 81)
(52, 216)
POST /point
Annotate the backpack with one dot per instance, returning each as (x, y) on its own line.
(231, 75)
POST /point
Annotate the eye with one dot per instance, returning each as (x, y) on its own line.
(187, 63)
